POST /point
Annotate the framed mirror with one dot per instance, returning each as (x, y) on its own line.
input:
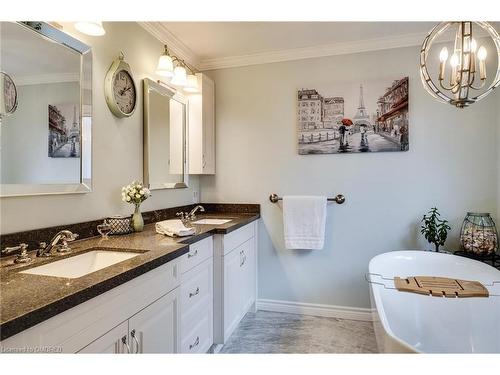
(46, 141)
(165, 141)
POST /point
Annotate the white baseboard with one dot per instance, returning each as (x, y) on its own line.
(331, 311)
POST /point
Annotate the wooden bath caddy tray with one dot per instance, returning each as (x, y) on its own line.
(441, 286)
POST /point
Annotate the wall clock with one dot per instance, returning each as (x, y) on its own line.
(9, 95)
(119, 88)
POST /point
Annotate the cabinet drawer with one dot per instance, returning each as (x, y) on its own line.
(236, 238)
(198, 252)
(196, 286)
(198, 340)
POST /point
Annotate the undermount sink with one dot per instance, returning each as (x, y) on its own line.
(211, 221)
(81, 265)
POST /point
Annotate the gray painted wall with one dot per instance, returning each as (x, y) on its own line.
(117, 143)
(452, 164)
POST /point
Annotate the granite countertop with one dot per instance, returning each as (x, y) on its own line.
(26, 300)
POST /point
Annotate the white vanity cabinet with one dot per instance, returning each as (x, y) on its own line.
(201, 121)
(196, 298)
(183, 306)
(234, 279)
(146, 307)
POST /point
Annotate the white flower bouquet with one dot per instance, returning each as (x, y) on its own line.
(135, 193)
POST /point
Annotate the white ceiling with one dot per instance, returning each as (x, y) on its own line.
(210, 40)
(212, 45)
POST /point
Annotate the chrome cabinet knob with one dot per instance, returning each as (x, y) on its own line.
(243, 258)
(132, 333)
(124, 342)
(195, 293)
(196, 342)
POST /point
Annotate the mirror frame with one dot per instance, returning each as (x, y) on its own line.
(150, 85)
(56, 35)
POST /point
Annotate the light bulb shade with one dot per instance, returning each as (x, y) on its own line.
(93, 28)
(192, 84)
(443, 55)
(454, 60)
(165, 66)
(473, 45)
(180, 76)
(482, 53)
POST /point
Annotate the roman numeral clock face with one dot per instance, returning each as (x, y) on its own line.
(119, 88)
(124, 92)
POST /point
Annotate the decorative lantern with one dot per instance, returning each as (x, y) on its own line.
(479, 234)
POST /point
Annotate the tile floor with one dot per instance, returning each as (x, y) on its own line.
(273, 332)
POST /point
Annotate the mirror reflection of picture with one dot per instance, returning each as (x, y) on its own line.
(64, 131)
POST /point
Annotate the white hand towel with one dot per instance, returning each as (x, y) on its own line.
(304, 219)
(173, 228)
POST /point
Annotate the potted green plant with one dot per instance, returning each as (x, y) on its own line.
(435, 229)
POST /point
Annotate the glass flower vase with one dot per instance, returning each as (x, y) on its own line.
(137, 220)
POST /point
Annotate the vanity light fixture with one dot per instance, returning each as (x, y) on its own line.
(180, 76)
(192, 84)
(192, 81)
(93, 28)
(180, 73)
(165, 66)
(467, 64)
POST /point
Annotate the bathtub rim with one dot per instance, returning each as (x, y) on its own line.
(376, 298)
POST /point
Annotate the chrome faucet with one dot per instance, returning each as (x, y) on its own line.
(186, 217)
(64, 236)
(191, 215)
(22, 257)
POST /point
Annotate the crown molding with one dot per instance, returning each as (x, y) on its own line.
(178, 48)
(159, 31)
(41, 79)
(341, 48)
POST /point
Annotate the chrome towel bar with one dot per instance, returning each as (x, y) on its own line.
(339, 198)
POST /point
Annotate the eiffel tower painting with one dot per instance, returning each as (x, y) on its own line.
(340, 119)
(361, 117)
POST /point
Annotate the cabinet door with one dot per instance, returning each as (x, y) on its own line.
(208, 99)
(113, 342)
(156, 328)
(201, 122)
(232, 291)
(248, 275)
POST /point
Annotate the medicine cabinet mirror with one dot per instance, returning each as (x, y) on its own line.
(165, 144)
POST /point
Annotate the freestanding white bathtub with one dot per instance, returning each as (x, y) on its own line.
(408, 322)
